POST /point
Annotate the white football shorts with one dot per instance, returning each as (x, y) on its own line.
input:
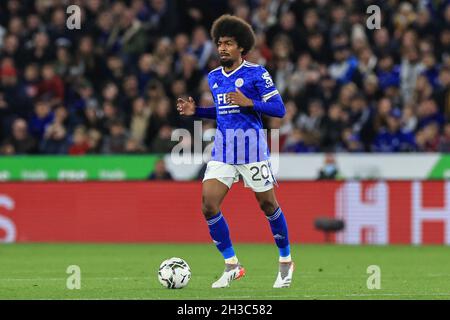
(256, 175)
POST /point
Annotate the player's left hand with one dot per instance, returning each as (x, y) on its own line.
(238, 98)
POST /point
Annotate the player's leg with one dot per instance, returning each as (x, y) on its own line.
(213, 193)
(269, 205)
(259, 177)
(218, 179)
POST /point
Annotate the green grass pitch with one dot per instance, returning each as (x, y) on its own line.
(129, 271)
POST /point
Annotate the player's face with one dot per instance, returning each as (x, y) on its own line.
(229, 51)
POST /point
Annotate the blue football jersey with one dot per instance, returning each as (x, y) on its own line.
(240, 137)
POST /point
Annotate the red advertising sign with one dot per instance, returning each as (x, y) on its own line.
(373, 212)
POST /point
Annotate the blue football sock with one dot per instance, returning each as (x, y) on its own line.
(218, 229)
(280, 232)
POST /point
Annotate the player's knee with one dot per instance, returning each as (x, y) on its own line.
(209, 208)
(268, 207)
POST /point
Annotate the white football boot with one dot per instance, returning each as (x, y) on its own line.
(284, 277)
(232, 272)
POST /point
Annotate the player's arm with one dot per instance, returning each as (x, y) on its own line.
(271, 105)
(189, 108)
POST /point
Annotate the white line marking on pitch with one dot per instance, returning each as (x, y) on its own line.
(86, 278)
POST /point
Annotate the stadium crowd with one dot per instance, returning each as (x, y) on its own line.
(111, 86)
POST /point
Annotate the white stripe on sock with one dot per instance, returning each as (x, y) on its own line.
(213, 221)
(275, 215)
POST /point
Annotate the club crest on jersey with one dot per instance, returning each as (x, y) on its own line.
(239, 82)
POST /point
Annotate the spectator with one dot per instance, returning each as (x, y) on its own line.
(91, 118)
(444, 142)
(11, 48)
(367, 62)
(431, 137)
(201, 47)
(40, 51)
(344, 65)
(382, 42)
(130, 89)
(139, 120)
(110, 93)
(55, 139)
(160, 172)
(41, 118)
(80, 144)
(330, 170)
(163, 142)
(349, 142)
(110, 114)
(410, 69)
(361, 119)
(145, 73)
(333, 126)
(94, 141)
(115, 142)
(14, 91)
(427, 113)
(31, 80)
(20, 141)
(443, 46)
(134, 147)
(128, 35)
(391, 138)
(160, 117)
(442, 95)
(86, 99)
(51, 87)
(388, 73)
(317, 48)
(431, 70)
(409, 119)
(286, 125)
(312, 123)
(371, 89)
(287, 26)
(298, 142)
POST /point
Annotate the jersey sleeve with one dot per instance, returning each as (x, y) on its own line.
(269, 102)
(207, 112)
(264, 84)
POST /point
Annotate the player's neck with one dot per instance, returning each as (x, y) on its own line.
(235, 65)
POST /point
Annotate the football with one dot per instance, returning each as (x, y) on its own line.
(174, 273)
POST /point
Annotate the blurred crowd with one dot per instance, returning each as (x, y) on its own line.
(110, 87)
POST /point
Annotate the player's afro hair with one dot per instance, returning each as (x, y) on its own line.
(230, 26)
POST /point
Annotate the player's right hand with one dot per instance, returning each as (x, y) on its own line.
(186, 108)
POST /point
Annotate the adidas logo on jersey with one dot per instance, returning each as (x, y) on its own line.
(278, 237)
(215, 85)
